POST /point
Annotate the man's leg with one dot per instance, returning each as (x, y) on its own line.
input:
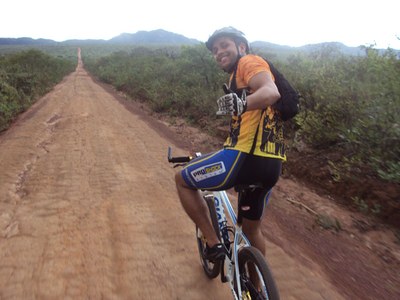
(196, 208)
(252, 230)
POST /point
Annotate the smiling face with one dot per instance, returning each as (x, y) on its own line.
(226, 53)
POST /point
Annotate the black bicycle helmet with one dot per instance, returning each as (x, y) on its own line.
(230, 31)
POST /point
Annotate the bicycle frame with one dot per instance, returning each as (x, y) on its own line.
(222, 204)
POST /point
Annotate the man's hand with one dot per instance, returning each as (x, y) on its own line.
(231, 104)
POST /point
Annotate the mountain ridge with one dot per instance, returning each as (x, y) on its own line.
(163, 37)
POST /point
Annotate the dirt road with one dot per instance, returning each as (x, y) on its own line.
(89, 210)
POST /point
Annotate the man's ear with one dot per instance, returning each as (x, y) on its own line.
(242, 48)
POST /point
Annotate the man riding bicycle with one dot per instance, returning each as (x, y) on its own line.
(252, 153)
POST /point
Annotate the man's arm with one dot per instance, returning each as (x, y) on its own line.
(265, 91)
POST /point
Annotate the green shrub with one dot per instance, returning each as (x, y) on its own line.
(24, 76)
(350, 104)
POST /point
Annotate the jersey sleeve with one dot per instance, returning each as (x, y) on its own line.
(249, 66)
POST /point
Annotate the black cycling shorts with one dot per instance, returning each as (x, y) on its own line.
(262, 171)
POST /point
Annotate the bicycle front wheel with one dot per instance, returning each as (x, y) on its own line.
(211, 269)
(256, 279)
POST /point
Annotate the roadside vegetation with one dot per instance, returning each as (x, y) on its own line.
(349, 112)
(24, 77)
(345, 140)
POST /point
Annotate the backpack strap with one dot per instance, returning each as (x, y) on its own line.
(253, 146)
(232, 84)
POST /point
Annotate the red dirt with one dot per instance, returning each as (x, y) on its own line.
(81, 217)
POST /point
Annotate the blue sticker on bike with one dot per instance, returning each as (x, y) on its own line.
(208, 171)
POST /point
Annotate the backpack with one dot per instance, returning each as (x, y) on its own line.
(288, 104)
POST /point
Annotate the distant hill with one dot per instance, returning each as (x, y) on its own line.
(159, 36)
(26, 41)
(162, 37)
(83, 42)
(331, 46)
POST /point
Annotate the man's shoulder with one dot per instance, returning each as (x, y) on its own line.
(252, 60)
(251, 65)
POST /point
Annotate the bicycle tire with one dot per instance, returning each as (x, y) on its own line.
(212, 270)
(252, 256)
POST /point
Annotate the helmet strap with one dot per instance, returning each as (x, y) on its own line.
(239, 56)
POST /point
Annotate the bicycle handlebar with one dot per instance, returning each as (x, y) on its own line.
(177, 159)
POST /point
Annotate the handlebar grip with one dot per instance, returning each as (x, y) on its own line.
(178, 159)
(181, 159)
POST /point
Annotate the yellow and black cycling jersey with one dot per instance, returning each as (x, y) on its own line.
(243, 130)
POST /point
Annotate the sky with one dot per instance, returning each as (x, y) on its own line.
(283, 22)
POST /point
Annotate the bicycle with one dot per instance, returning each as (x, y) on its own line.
(244, 267)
